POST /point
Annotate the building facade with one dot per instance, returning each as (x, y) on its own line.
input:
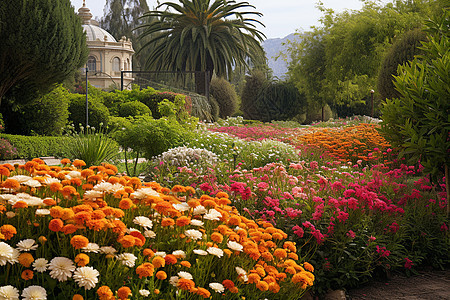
(107, 57)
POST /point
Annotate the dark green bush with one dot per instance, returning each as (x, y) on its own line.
(97, 112)
(214, 108)
(402, 50)
(117, 123)
(254, 84)
(29, 147)
(134, 108)
(225, 95)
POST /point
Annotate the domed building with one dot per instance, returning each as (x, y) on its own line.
(107, 57)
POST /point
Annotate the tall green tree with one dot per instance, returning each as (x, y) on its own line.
(42, 43)
(202, 35)
(121, 17)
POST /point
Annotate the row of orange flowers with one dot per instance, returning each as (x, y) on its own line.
(75, 225)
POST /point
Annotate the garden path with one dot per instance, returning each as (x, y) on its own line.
(430, 285)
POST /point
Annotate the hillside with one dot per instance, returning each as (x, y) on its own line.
(273, 48)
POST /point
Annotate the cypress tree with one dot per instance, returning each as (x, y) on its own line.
(42, 43)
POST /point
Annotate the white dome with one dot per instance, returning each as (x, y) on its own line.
(94, 32)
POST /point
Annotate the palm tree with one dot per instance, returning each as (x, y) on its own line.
(202, 36)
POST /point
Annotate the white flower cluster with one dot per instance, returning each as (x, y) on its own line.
(184, 156)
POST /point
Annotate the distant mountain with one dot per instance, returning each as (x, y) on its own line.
(273, 48)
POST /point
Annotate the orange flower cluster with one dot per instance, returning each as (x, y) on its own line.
(347, 143)
(85, 206)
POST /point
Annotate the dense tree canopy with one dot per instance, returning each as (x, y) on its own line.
(341, 58)
(202, 35)
(42, 43)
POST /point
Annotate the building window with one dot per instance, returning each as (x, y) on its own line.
(116, 64)
(92, 63)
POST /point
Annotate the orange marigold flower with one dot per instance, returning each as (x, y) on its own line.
(65, 161)
(234, 221)
(158, 261)
(185, 284)
(178, 189)
(228, 283)
(4, 171)
(193, 203)
(68, 190)
(267, 256)
(308, 266)
(222, 195)
(20, 204)
(253, 278)
(163, 207)
(49, 202)
(216, 237)
(56, 212)
(105, 293)
(302, 280)
(185, 264)
(127, 241)
(96, 225)
(113, 180)
(224, 201)
(280, 253)
(82, 259)
(123, 292)
(87, 186)
(77, 297)
(209, 203)
(56, 225)
(11, 184)
(145, 270)
(81, 217)
(262, 286)
(293, 256)
(69, 229)
(170, 259)
(139, 238)
(79, 241)
(27, 274)
(125, 203)
(25, 259)
(148, 252)
(290, 245)
(183, 221)
(167, 222)
(274, 287)
(78, 163)
(203, 292)
(161, 275)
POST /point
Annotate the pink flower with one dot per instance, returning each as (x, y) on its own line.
(444, 227)
(298, 231)
(408, 263)
(314, 165)
(372, 238)
(342, 216)
(351, 234)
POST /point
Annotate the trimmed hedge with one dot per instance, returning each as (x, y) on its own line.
(29, 147)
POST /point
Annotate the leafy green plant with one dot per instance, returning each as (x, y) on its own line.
(92, 146)
(225, 95)
(134, 108)
(36, 146)
(97, 111)
(418, 121)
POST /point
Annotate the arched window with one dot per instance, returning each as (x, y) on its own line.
(116, 64)
(92, 63)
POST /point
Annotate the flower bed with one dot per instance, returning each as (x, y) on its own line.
(89, 233)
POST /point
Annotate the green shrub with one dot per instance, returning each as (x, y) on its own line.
(98, 113)
(214, 108)
(225, 95)
(314, 114)
(254, 84)
(7, 151)
(134, 108)
(117, 123)
(29, 147)
(401, 51)
(201, 108)
(92, 146)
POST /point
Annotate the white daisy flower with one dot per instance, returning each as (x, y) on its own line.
(213, 215)
(27, 245)
(194, 234)
(200, 252)
(217, 287)
(174, 280)
(32, 183)
(181, 206)
(143, 221)
(198, 223)
(91, 194)
(42, 212)
(160, 253)
(61, 268)
(185, 275)
(6, 253)
(144, 293)
(199, 210)
(40, 265)
(127, 259)
(91, 247)
(8, 292)
(235, 246)
(21, 178)
(34, 292)
(215, 251)
(242, 273)
(149, 234)
(144, 193)
(179, 254)
(86, 277)
(107, 250)
(74, 174)
(50, 180)
(10, 214)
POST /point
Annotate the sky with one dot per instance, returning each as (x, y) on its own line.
(281, 17)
